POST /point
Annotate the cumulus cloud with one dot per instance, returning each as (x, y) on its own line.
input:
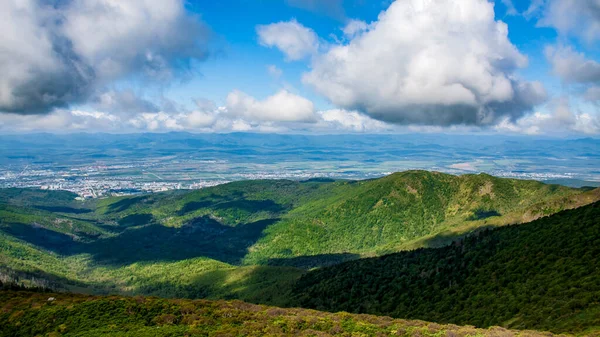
(55, 53)
(531, 11)
(200, 119)
(354, 27)
(576, 71)
(580, 18)
(155, 121)
(205, 116)
(283, 106)
(274, 71)
(279, 112)
(592, 94)
(429, 62)
(510, 7)
(534, 8)
(342, 120)
(290, 37)
(59, 120)
(122, 102)
(572, 66)
(562, 118)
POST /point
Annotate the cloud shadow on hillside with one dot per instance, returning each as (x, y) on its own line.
(202, 237)
(313, 261)
(124, 204)
(222, 203)
(447, 238)
(64, 209)
(40, 236)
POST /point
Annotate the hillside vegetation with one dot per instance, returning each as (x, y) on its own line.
(385, 215)
(33, 314)
(251, 240)
(540, 275)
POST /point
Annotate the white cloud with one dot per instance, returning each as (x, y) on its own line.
(277, 113)
(592, 94)
(59, 53)
(429, 62)
(123, 102)
(562, 118)
(281, 107)
(342, 120)
(291, 38)
(203, 118)
(59, 120)
(354, 27)
(145, 35)
(200, 119)
(274, 71)
(205, 104)
(572, 66)
(534, 8)
(579, 74)
(157, 121)
(580, 18)
(510, 7)
(240, 125)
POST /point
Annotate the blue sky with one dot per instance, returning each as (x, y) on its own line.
(237, 36)
(243, 64)
(296, 66)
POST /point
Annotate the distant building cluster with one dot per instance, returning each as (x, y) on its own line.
(98, 181)
(159, 175)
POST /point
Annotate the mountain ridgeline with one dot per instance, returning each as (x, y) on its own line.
(289, 243)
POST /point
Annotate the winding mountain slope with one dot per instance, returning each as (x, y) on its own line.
(540, 275)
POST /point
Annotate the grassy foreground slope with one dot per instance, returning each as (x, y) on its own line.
(36, 314)
(540, 275)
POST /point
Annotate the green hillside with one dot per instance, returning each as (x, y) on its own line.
(394, 213)
(37, 314)
(250, 239)
(540, 275)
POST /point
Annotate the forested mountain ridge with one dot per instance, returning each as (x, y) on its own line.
(251, 240)
(389, 214)
(265, 222)
(540, 275)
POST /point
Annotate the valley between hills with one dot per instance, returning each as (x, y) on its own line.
(472, 250)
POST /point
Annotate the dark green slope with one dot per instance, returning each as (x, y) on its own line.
(540, 275)
(233, 204)
(43, 199)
